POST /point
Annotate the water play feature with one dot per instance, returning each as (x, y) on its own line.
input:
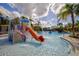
(52, 43)
(16, 32)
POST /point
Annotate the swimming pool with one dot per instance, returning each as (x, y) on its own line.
(53, 45)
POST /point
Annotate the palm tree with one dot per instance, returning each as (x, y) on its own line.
(16, 20)
(69, 9)
(23, 17)
(31, 22)
(69, 25)
(77, 24)
(60, 27)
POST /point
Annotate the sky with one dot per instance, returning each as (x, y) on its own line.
(32, 9)
(40, 11)
(7, 6)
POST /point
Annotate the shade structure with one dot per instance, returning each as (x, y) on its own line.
(24, 20)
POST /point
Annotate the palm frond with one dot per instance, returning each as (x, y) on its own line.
(77, 9)
(63, 14)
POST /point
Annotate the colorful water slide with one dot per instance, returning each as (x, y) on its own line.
(34, 34)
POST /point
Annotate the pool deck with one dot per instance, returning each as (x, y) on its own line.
(3, 36)
(74, 42)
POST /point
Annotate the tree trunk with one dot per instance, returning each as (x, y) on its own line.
(72, 17)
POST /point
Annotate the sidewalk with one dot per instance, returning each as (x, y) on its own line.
(74, 42)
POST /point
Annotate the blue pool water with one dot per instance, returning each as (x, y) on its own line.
(53, 45)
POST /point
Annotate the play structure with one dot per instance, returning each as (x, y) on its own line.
(32, 32)
(18, 32)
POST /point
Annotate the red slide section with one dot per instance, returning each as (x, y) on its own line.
(34, 34)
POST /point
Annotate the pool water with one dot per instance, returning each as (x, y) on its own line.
(53, 45)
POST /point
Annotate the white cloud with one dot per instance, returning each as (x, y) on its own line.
(11, 5)
(56, 7)
(38, 9)
(42, 9)
(28, 9)
(16, 14)
(4, 11)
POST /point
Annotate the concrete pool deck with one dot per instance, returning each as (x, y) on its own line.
(74, 42)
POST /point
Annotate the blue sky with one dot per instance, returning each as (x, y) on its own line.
(7, 6)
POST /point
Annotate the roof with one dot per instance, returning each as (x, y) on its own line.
(24, 20)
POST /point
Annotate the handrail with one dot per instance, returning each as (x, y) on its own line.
(4, 25)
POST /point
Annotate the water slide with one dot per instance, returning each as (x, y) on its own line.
(33, 33)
